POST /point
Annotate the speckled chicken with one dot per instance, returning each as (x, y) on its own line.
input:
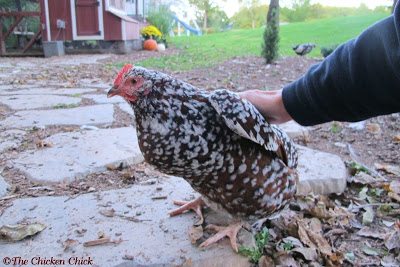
(219, 143)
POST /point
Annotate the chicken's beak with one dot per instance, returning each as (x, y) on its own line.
(113, 91)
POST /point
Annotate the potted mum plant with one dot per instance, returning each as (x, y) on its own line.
(151, 35)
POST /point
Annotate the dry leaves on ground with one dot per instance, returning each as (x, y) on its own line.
(18, 232)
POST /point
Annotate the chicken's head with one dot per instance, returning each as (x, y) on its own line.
(130, 83)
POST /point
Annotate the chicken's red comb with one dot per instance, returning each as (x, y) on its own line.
(121, 73)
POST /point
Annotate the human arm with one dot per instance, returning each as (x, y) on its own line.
(361, 79)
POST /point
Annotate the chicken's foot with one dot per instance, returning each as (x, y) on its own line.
(230, 231)
(194, 205)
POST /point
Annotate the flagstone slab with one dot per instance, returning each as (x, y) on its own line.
(10, 139)
(154, 239)
(3, 186)
(23, 102)
(48, 91)
(88, 115)
(320, 172)
(76, 154)
(294, 130)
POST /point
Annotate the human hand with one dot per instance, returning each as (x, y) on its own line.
(269, 103)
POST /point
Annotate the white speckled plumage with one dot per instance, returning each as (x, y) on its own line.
(219, 143)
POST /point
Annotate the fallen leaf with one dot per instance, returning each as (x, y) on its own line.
(363, 193)
(373, 128)
(340, 217)
(350, 257)
(368, 216)
(195, 233)
(363, 178)
(394, 196)
(320, 211)
(309, 254)
(107, 212)
(336, 231)
(266, 261)
(91, 189)
(394, 190)
(43, 144)
(393, 240)
(322, 208)
(69, 243)
(390, 261)
(303, 235)
(286, 260)
(396, 138)
(395, 187)
(388, 223)
(18, 232)
(310, 233)
(391, 169)
(294, 241)
(335, 259)
(370, 251)
(373, 233)
(286, 221)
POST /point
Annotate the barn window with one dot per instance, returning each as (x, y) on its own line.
(116, 5)
(130, 7)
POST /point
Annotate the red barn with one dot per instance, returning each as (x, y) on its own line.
(112, 23)
(102, 25)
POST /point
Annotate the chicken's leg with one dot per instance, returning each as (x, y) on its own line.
(194, 205)
(230, 231)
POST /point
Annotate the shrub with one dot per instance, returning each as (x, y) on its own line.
(161, 18)
(327, 50)
(271, 34)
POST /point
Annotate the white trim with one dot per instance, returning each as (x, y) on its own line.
(116, 10)
(122, 16)
(123, 29)
(88, 37)
(48, 30)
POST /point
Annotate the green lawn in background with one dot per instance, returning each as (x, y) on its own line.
(208, 50)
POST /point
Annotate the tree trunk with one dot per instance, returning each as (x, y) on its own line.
(253, 16)
(205, 20)
(394, 5)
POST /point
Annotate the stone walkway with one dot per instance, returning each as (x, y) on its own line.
(88, 148)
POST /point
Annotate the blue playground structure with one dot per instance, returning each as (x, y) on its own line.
(189, 29)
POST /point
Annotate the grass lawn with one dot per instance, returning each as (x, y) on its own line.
(208, 50)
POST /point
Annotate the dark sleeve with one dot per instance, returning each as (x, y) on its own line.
(359, 80)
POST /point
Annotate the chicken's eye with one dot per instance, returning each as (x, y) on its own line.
(133, 81)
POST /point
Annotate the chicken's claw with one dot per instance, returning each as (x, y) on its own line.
(194, 205)
(230, 231)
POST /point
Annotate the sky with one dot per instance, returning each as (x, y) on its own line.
(232, 6)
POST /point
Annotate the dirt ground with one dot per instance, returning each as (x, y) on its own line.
(344, 233)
